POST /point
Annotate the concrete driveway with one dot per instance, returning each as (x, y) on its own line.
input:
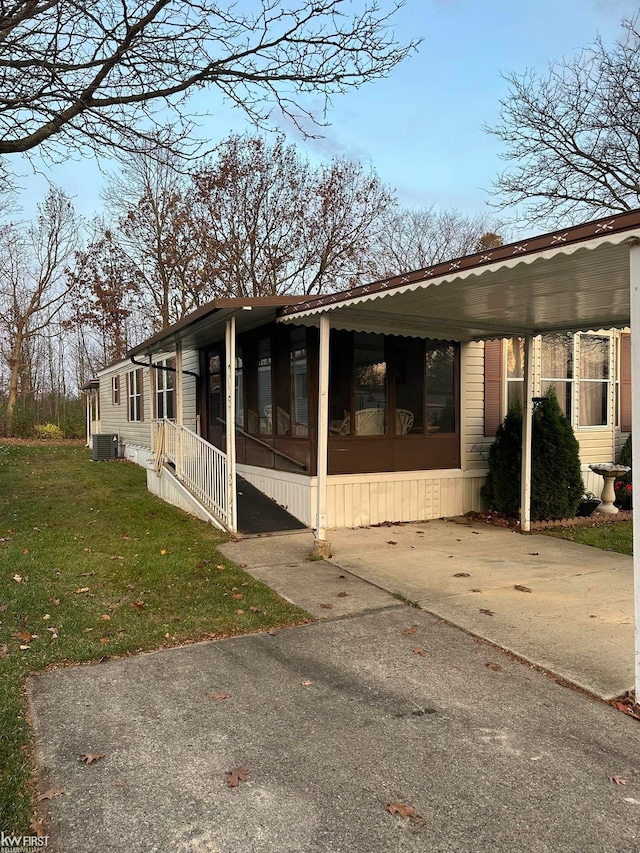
(572, 615)
(333, 721)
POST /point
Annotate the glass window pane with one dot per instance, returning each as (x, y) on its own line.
(563, 393)
(340, 351)
(265, 406)
(515, 358)
(409, 383)
(593, 403)
(370, 369)
(298, 386)
(215, 381)
(557, 356)
(515, 393)
(239, 388)
(594, 357)
(440, 388)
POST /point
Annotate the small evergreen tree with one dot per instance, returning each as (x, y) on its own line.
(501, 491)
(556, 481)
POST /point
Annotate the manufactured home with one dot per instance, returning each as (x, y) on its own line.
(380, 403)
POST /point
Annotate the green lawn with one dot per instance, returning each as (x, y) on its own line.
(610, 537)
(92, 566)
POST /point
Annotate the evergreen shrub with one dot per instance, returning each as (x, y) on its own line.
(556, 481)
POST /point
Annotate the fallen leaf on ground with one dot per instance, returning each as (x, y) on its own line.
(341, 577)
(521, 588)
(17, 578)
(255, 610)
(25, 636)
(51, 793)
(273, 631)
(617, 780)
(54, 633)
(91, 757)
(219, 696)
(391, 542)
(462, 575)
(139, 605)
(163, 551)
(4, 651)
(105, 617)
(239, 612)
(87, 574)
(82, 589)
(55, 601)
(237, 595)
(104, 640)
(411, 630)
(494, 666)
(234, 777)
(534, 553)
(37, 826)
(400, 809)
(326, 606)
(220, 567)
(342, 595)
(3, 607)
(307, 683)
(487, 612)
(25, 550)
(419, 651)
(476, 590)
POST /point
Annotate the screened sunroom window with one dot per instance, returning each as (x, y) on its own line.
(370, 369)
(515, 372)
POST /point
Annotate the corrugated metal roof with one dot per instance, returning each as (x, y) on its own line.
(575, 279)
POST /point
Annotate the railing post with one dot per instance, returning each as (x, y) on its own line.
(527, 432)
(321, 547)
(230, 417)
(179, 412)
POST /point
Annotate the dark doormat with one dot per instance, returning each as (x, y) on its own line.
(259, 514)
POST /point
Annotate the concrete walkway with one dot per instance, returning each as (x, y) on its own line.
(574, 616)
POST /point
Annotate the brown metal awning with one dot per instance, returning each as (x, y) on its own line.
(576, 279)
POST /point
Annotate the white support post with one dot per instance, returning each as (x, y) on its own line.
(527, 424)
(88, 419)
(634, 297)
(321, 546)
(230, 417)
(179, 411)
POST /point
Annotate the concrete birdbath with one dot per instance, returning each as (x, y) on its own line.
(609, 471)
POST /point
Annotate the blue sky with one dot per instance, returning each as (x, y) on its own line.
(421, 128)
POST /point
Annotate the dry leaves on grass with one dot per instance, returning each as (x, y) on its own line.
(3, 607)
(234, 777)
(51, 793)
(237, 595)
(4, 651)
(91, 757)
(25, 636)
(37, 826)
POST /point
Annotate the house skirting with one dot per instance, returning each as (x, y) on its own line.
(359, 500)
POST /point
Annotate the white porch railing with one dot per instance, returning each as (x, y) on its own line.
(200, 466)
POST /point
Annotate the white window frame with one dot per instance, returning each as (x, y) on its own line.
(135, 387)
(578, 338)
(116, 395)
(165, 389)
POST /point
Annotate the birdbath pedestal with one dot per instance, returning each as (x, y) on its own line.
(609, 471)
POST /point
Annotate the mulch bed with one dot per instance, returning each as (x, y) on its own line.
(498, 520)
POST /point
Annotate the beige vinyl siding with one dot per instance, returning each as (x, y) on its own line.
(191, 362)
(114, 417)
(474, 444)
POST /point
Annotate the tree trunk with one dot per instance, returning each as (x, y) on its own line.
(14, 363)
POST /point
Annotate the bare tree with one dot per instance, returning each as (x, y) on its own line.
(33, 287)
(413, 239)
(104, 301)
(156, 231)
(270, 223)
(99, 73)
(572, 137)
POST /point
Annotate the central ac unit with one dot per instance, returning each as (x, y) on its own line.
(105, 446)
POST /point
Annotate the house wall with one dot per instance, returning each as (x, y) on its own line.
(113, 418)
